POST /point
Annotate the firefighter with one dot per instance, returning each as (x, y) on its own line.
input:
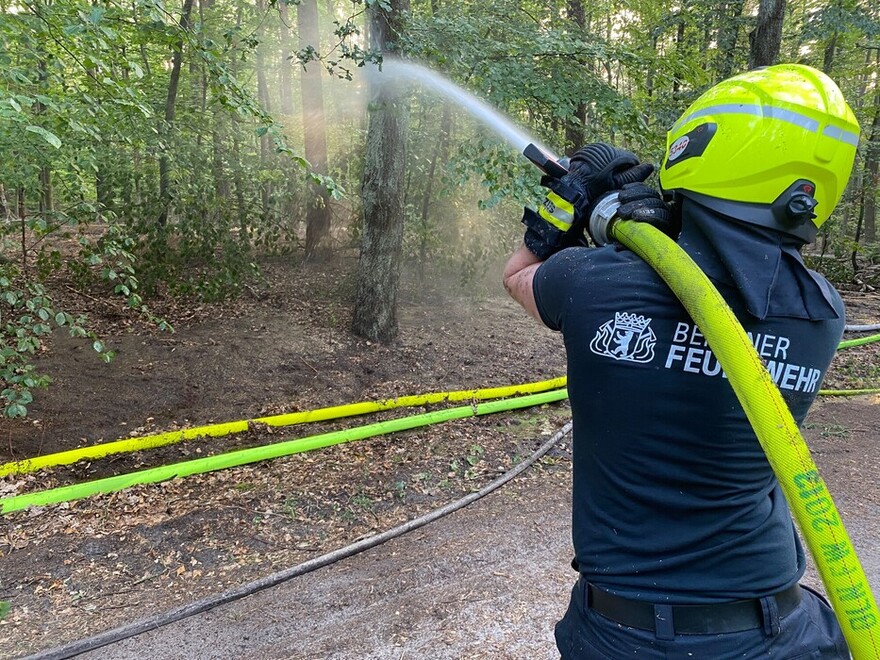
(683, 541)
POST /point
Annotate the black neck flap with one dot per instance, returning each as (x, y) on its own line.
(764, 265)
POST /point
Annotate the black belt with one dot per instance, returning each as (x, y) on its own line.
(735, 616)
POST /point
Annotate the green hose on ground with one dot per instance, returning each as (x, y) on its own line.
(808, 497)
(275, 450)
(861, 341)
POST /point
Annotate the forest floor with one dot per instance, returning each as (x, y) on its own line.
(486, 582)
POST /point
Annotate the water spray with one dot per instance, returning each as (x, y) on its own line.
(394, 69)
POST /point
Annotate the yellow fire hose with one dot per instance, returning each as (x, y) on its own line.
(141, 443)
(808, 497)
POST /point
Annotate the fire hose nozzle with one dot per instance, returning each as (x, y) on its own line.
(544, 161)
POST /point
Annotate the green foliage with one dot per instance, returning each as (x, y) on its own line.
(536, 68)
(87, 117)
(28, 313)
(87, 123)
(27, 317)
(205, 258)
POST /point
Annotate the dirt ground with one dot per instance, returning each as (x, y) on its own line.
(72, 570)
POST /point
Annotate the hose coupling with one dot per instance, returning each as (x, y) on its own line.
(604, 211)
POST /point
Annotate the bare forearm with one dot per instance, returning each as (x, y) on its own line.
(519, 273)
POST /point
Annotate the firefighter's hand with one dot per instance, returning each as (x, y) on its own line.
(562, 218)
(599, 168)
(553, 226)
(642, 203)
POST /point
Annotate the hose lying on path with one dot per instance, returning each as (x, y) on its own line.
(274, 450)
(158, 620)
(862, 328)
(861, 341)
(223, 429)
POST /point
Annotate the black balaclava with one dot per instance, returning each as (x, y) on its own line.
(763, 264)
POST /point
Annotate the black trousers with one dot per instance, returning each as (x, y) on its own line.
(810, 632)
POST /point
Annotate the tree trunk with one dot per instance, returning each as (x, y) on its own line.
(649, 78)
(21, 204)
(575, 127)
(46, 197)
(766, 39)
(440, 149)
(679, 49)
(855, 252)
(378, 277)
(201, 72)
(235, 163)
(728, 32)
(828, 56)
(221, 182)
(265, 140)
(5, 210)
(314, 127)
(45, 205)
(170, 101)
(103, 189)
(238, 180)
(285, 88)
(871, 183)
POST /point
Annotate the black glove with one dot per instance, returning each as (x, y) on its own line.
(551, 228)
(644, 204)
(599, 168)
(560, 222)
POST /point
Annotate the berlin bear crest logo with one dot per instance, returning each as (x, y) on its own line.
(627, 337)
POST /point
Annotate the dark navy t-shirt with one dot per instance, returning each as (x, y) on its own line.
(673, 497)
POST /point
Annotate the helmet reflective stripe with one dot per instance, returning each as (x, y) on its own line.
(837, 133)
(770, 111)
(557, 211)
